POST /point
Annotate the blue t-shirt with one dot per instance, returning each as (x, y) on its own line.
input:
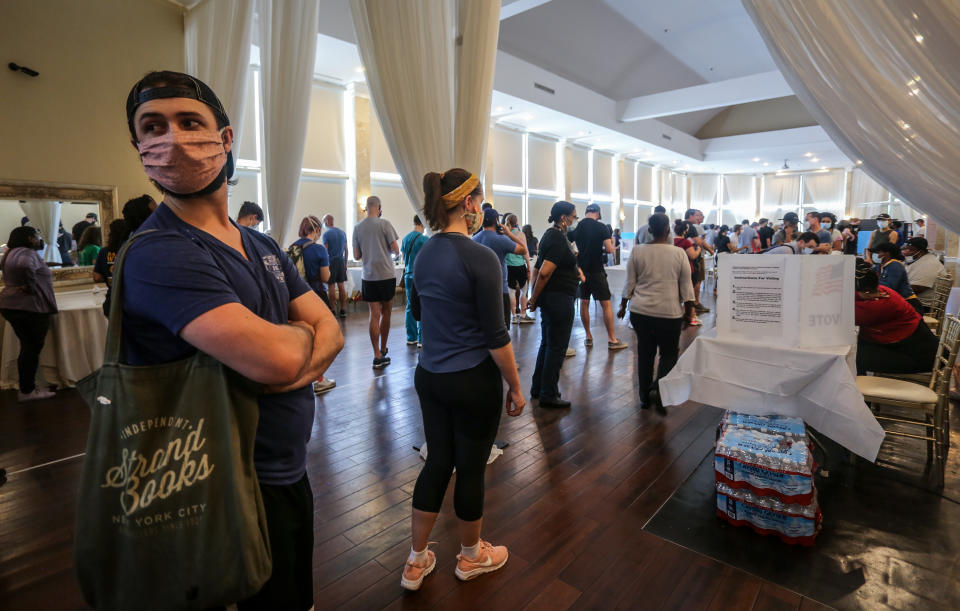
(411, 245)
(179, 272)
(893, 275)
(501, 245)
(455, 294)
(335, 241)
(314, 259)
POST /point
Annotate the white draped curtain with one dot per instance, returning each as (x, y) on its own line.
(44, 215)
(703, 196)
(882, 79)
(825, 192)
(429, 66)
(217, 37)
(867, 197)
(739, 199)
(288, 43)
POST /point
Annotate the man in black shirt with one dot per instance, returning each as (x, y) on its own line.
(593, 239)
(765, 232)
(79, 228)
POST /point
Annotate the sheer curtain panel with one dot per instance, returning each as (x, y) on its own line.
(703, 196)
(781, 194)
(429, 67)
(868, 197)
(288, 43)
(217, 37)
(881, 77)
(824, 192)
(44, 216)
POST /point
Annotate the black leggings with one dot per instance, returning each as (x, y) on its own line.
(653, 333)
(913, 354)
(31, 329)
(461, 413)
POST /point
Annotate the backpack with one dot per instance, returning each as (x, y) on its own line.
(295, 252)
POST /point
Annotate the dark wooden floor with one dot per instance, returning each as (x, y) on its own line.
(569, 496)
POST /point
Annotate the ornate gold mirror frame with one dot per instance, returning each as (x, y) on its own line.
(105, 196)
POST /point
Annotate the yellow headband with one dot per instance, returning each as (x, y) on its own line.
(456, 196)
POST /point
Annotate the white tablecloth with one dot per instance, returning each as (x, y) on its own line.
(353, 278)
(816, 385)
(74, 345)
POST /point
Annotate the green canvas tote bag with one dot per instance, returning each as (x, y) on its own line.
(169, 514)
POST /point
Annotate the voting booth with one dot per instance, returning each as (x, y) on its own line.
(796, 301)
(785, 344)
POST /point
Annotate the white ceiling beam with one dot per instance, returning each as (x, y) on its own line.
(752, 88)
(767, 143)
(518, 6)
(521, 79)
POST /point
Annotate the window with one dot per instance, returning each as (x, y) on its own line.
(507, 157)
(602, 176)
(542, 164)
(577, 167)
(645, 184)
(539, 212)
(324, 149)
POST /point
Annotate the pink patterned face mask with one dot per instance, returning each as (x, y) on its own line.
(183, 162)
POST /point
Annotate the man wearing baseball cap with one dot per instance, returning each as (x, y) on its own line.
(788, 233)
(882, 235)
(593, 240)
(923, 268)
(202, 282)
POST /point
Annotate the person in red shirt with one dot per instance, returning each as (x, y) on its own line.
(686, 239)
(893, 337)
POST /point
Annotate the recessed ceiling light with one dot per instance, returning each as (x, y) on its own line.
(859, 162)
(808, 154)
(823, 167)
(766, 163)
(919, 38)
(756, 159)
(814, 159)
(904, 125)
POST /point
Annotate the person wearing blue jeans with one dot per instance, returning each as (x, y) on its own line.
(412, 243)
(554, 293)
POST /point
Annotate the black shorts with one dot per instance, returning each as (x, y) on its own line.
(338, 271)
(289, 511)
(595, 286)
(378, 290)
(516, 276)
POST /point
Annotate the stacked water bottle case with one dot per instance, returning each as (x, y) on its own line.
(764, 477)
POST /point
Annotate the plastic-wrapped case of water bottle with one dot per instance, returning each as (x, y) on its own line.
(764, 476)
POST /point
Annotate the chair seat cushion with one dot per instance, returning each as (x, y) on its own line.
(931, 321)
(878, 389)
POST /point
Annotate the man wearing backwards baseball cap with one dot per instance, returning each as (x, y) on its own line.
(787, 233)
(202, 282)
(882, 235)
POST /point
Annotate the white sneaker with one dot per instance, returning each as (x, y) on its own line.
(35, 395)
(526, 319)
(324, 385)
(570, 352)
(515, 319)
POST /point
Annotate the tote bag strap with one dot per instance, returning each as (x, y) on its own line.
(111, 355)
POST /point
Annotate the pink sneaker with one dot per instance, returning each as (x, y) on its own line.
(488, 560)
(413, 574)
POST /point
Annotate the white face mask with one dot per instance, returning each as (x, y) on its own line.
(876, 259)
(826, 225)
(808, 251)
(882, 224)
(908, 258)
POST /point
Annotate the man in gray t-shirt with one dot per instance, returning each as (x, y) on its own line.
(374, 244)
(747, 235)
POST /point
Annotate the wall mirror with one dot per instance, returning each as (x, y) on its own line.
(48, 205)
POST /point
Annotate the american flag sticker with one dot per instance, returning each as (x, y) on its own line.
(829, 280)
